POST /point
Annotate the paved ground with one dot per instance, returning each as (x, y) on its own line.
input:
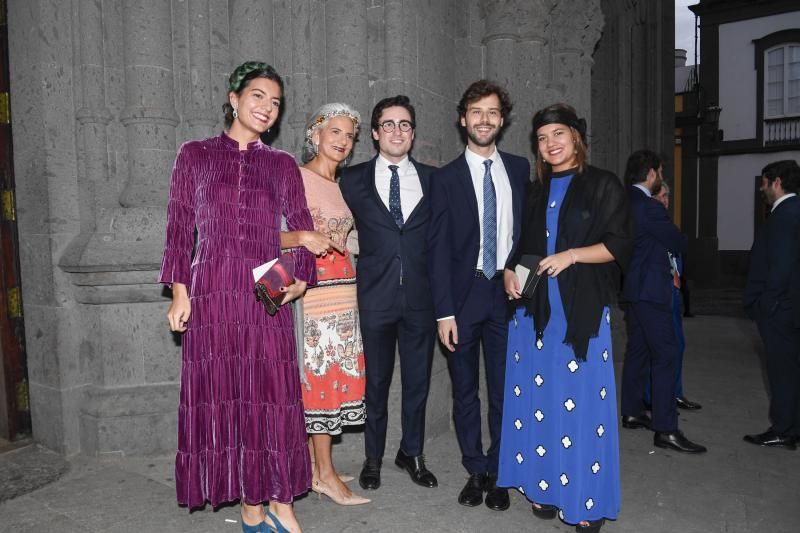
(736, 487)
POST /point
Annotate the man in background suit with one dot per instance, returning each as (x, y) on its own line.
(476, 204)
(388, 196)
(647, 293)
(676, 267)
(772, 298)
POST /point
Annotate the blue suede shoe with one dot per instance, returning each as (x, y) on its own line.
(278, 526)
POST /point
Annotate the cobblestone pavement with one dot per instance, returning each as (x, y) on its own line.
(736, 487)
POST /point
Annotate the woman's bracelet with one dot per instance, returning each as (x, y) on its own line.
(572, 255)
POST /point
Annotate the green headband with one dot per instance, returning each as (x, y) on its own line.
(242, 71)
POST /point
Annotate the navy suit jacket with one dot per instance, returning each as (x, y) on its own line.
(773, 281)
(384, 249)
(649, 277)
(454, 235)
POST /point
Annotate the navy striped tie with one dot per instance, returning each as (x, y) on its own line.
(489, 223)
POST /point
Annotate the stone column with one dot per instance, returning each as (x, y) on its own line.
(149, 116)
(394, 49)
(346, 59)
(250, 31)
(516, 57)
(201, 117)
(93, 116)
(302, 53)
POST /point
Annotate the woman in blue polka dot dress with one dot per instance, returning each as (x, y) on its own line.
(559, 443)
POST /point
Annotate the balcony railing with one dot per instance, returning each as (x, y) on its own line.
(781, 131)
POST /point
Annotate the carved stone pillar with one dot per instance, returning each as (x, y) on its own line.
(92, 116)
(394, 49)
(201, 116)
(251, 31)
(302, 53)
(149, 116)
(346, 59)
(516, 57)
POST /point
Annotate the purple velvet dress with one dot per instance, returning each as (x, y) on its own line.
(241, 429)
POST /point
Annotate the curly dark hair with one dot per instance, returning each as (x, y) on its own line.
(481, 89)
(240, 78)
(400, 100)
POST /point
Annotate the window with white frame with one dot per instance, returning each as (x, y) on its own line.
(782, 81)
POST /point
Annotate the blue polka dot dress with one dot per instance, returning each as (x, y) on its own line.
(560, 443)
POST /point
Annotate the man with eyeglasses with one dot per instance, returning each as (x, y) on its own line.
(476, 207)
(388, 196)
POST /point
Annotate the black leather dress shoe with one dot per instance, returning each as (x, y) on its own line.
(496, 497)
(472, 493)
(415, 466)
(772, 439)
(676, 441)
(685, 403)
(635, 422)
(370, 477)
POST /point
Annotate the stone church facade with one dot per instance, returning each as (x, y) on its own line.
(104, 91)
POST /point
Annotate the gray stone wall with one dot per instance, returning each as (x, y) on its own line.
(104, 91)
(632, 91)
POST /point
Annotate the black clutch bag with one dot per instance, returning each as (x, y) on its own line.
(526, 272)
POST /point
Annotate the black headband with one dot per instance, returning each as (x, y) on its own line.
(559, 116)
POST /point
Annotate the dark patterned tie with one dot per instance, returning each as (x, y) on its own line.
(394, 197)
(489, 223)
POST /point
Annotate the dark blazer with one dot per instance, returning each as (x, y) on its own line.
(648, 277)
(384, 249)
(773, 281)
(454, 235)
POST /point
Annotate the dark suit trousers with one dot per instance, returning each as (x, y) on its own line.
(652, 346)
(782, 342)
(413, 333)
(483, 318)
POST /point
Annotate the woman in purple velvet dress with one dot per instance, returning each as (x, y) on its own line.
(241, 428)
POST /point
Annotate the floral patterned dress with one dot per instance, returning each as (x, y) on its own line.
(333, 392)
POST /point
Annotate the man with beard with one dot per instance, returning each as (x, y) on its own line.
(476, 204)
(647, 293)
(772, 298)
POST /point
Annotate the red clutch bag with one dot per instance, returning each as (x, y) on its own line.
(279, 273)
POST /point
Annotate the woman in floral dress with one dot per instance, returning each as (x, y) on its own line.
(334, 380)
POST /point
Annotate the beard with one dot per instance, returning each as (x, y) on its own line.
(487, 141)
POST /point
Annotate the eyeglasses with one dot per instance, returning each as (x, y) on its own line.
(404, 125)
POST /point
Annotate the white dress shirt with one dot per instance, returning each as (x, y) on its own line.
(410, 186)
(782, 198)
(643, 189)
(505, 210)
